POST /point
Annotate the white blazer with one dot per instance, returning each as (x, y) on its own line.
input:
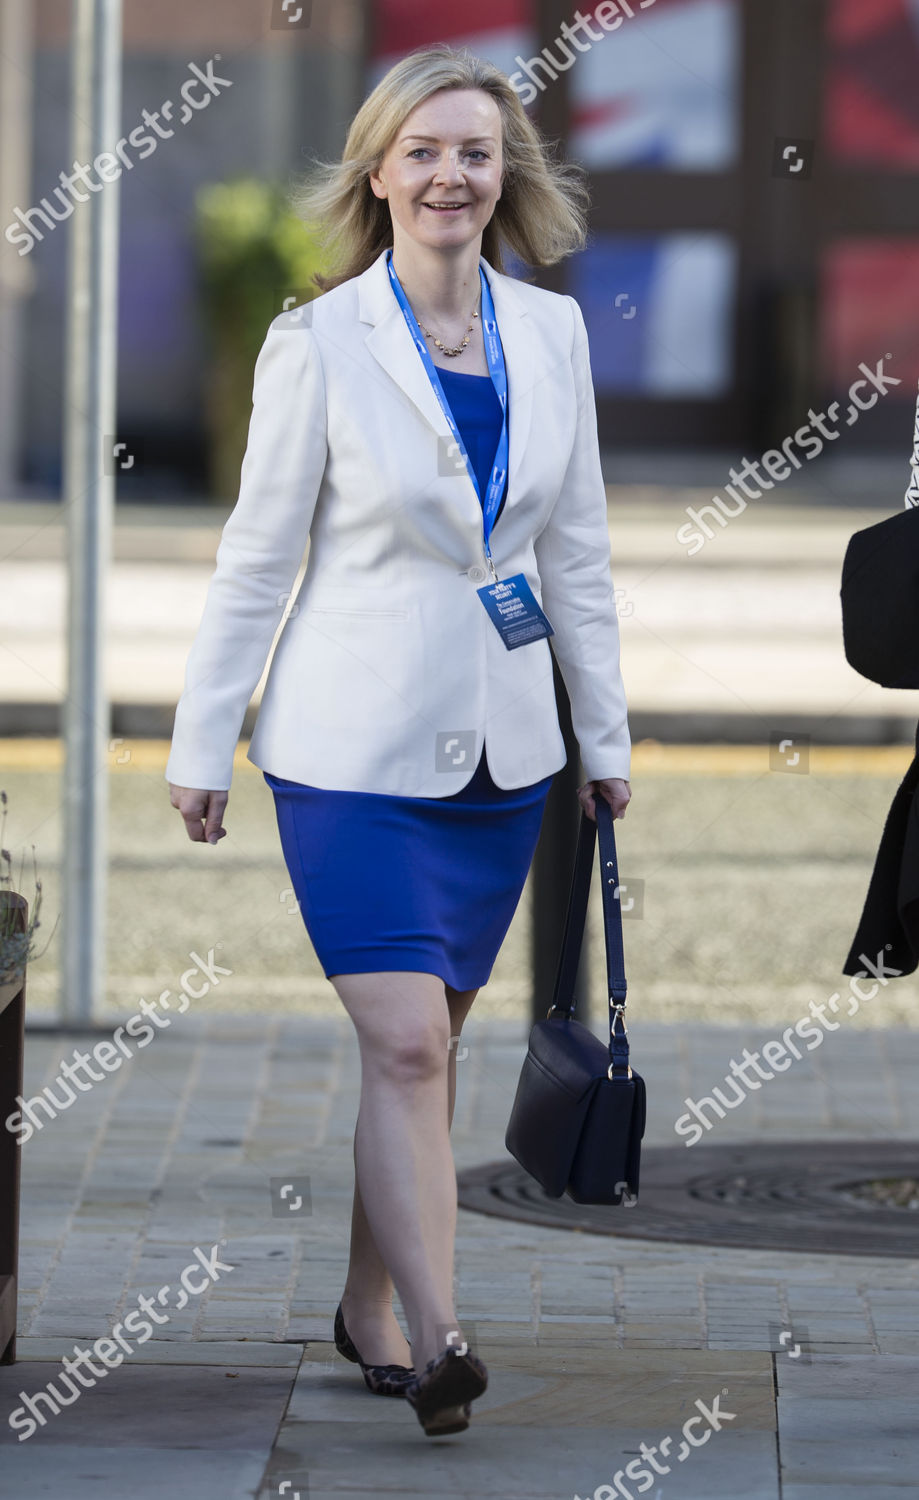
(388, 672)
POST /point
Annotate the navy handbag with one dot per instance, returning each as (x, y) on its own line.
(579, 1113)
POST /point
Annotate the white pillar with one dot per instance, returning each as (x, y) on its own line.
(89, 492)
(16, 271)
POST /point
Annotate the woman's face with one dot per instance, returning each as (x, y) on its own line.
(448, 151)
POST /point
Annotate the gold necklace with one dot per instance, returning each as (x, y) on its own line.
(443, 349)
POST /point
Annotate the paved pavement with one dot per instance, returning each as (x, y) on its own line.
(594, 1344)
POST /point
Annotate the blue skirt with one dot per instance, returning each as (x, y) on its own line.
(428, 884)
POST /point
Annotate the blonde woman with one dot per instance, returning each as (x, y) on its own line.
(428, 423)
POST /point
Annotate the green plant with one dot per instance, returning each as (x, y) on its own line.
(253, 253)
(16, 947)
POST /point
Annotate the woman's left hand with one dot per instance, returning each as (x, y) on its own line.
(612, 788)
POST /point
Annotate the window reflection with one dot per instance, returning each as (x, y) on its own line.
(869, 307)
(662, 90)
(659, 313)
(872, 93)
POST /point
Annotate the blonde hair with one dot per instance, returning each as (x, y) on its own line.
(541, 214)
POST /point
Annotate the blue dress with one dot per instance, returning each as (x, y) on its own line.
(428, 884)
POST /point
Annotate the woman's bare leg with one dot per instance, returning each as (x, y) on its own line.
(366, 1301)
(403, 1161)
(459, 1003)
(368, 1294)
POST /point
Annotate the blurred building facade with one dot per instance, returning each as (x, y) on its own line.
(754, 172)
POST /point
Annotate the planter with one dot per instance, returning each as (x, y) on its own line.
(14, 912)
(9, 989)
(14, 918)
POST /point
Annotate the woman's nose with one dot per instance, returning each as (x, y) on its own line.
(448, 169)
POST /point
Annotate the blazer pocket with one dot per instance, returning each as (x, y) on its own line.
(360, 667)
(367, 614)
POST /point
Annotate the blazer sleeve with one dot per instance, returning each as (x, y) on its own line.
(573, 559)
(258, 558)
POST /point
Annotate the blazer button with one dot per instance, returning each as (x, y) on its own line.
(476, 574)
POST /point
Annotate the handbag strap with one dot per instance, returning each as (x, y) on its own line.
(563, 998)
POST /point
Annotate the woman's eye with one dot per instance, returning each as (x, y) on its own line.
(476, 151)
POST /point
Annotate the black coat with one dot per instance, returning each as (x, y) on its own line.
(880, 615)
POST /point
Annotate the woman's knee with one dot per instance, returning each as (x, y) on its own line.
(412, 1054)
(403, 1025)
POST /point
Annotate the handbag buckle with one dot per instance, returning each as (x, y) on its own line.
(618, 1010)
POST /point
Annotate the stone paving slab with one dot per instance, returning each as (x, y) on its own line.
(795, 1490)
(849, 1425)
(95, 1472)
(210, 1406)
(553, 1380)
(879, 1452)
(145, 1427)
(158, 1352)
(385, 1459)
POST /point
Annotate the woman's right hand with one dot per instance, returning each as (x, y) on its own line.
(202, 811)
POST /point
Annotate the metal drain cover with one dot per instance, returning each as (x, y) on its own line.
(787, 1195)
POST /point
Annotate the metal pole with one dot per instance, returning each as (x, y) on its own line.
(16, 272)
(89, 489)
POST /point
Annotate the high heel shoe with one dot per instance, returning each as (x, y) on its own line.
(441, 1394)
(382, 1380)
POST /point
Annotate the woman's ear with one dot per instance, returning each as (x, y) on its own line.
(377, 181)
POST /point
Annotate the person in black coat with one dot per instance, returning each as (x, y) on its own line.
(880, 617)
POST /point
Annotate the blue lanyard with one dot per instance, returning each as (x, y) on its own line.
(498, 371)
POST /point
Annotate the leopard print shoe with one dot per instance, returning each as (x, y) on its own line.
(381, 1380)
(441, 1395)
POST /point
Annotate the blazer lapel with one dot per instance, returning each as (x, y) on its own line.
(392, 346)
